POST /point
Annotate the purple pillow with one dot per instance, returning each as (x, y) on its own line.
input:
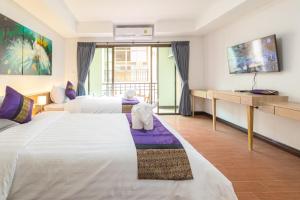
(70, 92)
(16, 107)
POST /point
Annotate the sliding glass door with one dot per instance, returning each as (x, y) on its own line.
(149, 70)
(100, 80)
(132, 70)
(168, 81)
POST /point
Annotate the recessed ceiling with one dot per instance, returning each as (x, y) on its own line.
(95, 18)
(137, 11)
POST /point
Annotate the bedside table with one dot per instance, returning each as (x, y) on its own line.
(54, 107)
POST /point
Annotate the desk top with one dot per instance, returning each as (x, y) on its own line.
(245, 98)
(288, 105)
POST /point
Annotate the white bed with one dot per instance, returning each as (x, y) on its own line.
(91, 104)
(84, 156)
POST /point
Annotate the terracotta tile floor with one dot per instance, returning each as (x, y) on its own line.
(265, 173)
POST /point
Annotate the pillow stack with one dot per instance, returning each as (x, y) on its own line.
(16, 107)
(60, 94)
(57, 94)
(70, 91)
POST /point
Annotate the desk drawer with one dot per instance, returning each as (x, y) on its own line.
(267, 108)
(286, 112)
(227, 97)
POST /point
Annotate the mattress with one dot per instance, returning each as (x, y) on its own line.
(91, 104)
(86, 156)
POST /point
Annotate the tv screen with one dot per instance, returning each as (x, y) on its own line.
(259, 55)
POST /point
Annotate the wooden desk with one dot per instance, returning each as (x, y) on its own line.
(247, 99)
(289, 110)
(199, 94)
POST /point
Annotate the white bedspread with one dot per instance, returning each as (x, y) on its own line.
(91, 104)
(90, 157)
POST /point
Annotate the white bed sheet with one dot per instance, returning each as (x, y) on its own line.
(91, 104)
(84, 156)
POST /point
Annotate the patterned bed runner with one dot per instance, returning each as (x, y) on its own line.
(130, 101)
(160, 155)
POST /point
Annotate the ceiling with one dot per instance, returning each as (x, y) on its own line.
(95, 18)
(137, 11)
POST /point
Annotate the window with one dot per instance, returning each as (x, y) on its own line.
(149, 70)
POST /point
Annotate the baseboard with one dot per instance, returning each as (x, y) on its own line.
(280, 145)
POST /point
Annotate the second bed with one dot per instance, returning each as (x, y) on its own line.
(91, 104)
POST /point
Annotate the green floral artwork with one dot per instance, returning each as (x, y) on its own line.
(23, 51)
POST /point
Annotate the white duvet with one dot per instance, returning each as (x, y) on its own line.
(91, 104)
(89, 157)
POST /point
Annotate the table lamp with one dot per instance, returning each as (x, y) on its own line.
(41, 101)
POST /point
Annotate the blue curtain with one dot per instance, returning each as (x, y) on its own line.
(85, 55)
(181, 52)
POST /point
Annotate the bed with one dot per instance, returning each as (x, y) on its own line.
(59, 155)
(91, 104)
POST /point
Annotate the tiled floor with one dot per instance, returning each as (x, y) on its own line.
(266, 173)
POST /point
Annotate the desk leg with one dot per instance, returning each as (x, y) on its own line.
(250, 111)
(193, 105)
(213, 110)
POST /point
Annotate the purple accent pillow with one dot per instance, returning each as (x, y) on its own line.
(16, 107)
(70, 92)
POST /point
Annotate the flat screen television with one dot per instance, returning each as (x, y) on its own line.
(258, 55)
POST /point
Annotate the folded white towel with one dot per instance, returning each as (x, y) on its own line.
(142, 116)
(136, 121)
(148, 124)
(129, 94)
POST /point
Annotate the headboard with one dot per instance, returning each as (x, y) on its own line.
(34, 97)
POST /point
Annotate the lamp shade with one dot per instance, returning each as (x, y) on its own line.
(41, 100)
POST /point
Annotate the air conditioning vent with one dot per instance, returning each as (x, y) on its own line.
(133, 32)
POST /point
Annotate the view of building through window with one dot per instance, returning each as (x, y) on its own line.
(132, 64)
(150, 71)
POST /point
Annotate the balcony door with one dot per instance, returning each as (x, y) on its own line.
(133, 70)
(168, 81)
(100, 77)
(148, 69)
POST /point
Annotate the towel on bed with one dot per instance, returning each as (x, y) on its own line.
(142, 116)
(160, 155)
(129, 94)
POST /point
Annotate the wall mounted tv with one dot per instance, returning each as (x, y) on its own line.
(258, 55)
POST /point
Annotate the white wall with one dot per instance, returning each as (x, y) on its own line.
(71, 60)
(280, 18)
(33, 84)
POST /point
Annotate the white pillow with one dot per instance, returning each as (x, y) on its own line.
(58, 95)
(1, 100)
